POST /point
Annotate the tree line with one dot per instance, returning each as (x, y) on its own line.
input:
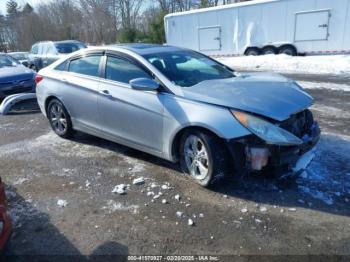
(94, 22)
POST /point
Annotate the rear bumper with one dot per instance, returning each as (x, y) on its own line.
(4, 218)
(280, 159)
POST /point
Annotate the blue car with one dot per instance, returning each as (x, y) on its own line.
(14, 77)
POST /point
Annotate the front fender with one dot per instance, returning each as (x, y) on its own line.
(181, 113)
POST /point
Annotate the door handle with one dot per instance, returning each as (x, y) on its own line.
(323, 26)
(105, 93)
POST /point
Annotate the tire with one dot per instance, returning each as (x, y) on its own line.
(210, 167)
(288, 50)
(59, 119)
(269, 50)
(252, 51)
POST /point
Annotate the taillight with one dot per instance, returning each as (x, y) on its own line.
(38, 78)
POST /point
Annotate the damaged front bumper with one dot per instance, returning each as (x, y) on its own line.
(253, 154)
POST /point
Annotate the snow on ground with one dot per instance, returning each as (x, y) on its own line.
(336, 64)
(329, 86)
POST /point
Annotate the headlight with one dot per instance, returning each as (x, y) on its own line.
(270, 133)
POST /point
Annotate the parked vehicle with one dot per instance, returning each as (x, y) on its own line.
(14, 77)
(21, 57)
(264, 27)
(43, 54)
(182, 106)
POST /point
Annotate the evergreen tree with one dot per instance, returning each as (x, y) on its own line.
(27, 9)
(12, 8)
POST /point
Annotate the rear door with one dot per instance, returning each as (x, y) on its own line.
(209, 38)
(79, 88)
(312, 26)
(134, 116)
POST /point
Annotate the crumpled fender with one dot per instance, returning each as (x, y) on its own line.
(11, 100)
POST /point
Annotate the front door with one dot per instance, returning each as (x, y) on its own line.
(131, 115)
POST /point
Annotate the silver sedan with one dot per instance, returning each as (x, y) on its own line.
(182, 106)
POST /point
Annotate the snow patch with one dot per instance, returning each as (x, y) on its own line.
(62, 203)
(138, 181)
(336, 64)
(113, 206)
(119, 189)
(321, 85)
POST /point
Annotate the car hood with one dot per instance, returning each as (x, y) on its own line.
(15, 73)
(267, 94)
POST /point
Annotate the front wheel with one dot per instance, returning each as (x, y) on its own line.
(59, 119)
(203, 157)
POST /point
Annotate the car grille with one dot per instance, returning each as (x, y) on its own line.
(299, 124)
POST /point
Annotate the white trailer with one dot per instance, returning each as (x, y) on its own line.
(264, 27)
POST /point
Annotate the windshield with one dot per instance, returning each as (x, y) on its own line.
(67, 48)
(20, 56)
(187, 68)
(7, 61)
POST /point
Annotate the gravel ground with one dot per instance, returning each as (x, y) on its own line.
(61, 200)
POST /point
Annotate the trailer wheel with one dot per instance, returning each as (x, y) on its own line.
(288, 50)
(252, 51)
(269, 50)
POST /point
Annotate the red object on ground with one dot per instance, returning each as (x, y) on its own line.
(4, 218)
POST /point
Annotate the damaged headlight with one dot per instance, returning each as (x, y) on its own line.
(267, 131)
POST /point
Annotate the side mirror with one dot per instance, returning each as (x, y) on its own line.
(144, 84)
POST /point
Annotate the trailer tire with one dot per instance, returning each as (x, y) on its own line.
(252, 51)
(269, 50)
(288, 50)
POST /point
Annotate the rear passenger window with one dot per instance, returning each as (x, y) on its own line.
(86, 65)
(122, 70)
(62, 66)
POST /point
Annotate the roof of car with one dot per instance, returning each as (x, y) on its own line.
(59, 42)
(67, 41)
(144, 49)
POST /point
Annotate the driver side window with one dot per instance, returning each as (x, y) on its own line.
(123, 70)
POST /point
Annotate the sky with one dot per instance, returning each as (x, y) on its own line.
(20, 2)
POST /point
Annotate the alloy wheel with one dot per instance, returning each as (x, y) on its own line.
(196, 157)
(58, 118)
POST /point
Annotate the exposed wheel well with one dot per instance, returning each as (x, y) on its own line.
(48, 101)
(176, 141)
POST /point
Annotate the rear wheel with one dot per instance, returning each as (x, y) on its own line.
(203, 157)
(59, 119)
(252, 51)
(269, 50)
(288, 50)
